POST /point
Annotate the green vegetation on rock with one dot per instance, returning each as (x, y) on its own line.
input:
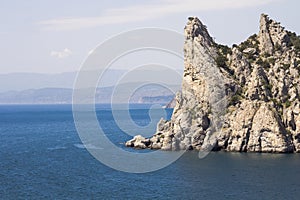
(251, 42)
(294, 40)
(221, 59)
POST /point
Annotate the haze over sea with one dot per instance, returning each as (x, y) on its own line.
(42, 157)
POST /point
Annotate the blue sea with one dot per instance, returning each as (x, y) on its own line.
(42, 157)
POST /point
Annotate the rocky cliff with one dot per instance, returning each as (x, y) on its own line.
(243, 99)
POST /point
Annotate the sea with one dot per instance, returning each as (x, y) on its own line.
(42, 157)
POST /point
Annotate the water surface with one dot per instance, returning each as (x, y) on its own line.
(42, 157)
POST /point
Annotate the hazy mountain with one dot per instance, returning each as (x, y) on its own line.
(146, 94)
(26, 81)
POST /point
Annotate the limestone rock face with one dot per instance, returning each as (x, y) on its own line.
(271, 34)
(243, 99)
(139, 142)
(268, 133)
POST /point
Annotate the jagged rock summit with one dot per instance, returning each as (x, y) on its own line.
(258, 79)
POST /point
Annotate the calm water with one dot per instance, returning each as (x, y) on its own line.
(41, 157)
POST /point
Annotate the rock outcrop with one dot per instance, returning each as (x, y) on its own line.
(243, 99)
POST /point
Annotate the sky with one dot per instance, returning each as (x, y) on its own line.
(56, 36)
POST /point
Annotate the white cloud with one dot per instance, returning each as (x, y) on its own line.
(155, 9)
(61, 54)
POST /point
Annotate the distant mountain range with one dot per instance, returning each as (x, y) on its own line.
(151, 94)
(35, 88)
(26, 81)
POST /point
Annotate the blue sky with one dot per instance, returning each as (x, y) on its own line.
(56, 36)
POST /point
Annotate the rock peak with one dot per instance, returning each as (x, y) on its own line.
(265, 17)
(196, 29)
(271, 33)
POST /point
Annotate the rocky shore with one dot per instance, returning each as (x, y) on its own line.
(258, 79)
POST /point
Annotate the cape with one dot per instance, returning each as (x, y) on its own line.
(242, 99)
